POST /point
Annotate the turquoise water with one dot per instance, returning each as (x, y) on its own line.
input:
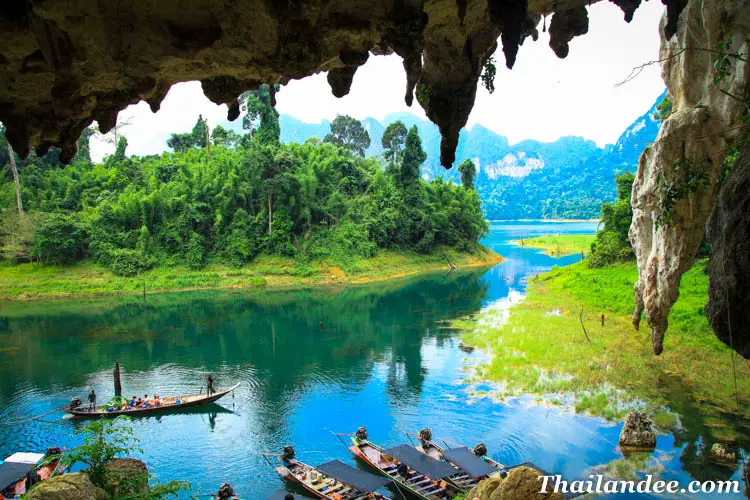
(385, 360)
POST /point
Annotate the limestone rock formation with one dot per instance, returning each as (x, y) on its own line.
(76, 486)
(637, 432)
(729, 267)
(677, 178)
(68, 62)
(521, 483)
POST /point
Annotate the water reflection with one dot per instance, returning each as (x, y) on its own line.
(382, 358)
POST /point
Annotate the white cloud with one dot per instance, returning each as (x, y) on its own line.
(148, 132)
(542, 98)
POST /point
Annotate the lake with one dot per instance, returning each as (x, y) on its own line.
(384, 359)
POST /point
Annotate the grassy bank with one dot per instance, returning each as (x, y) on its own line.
(542, 349)
(560, 245)
(88, 279)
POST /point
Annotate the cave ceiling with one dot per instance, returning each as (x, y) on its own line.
(66, 63)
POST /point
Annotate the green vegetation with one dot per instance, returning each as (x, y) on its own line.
(612, 243)
(104, 441)
(87, 278)
(664, 108)
(224, 200)
(542, 349)
(561, 244)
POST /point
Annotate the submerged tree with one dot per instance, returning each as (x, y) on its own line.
(348, 133)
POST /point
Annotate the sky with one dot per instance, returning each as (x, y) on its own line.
(542, 97)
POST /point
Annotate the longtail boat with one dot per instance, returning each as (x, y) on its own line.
(20, 471)
(166, 404)
(333, 480)
(422, 476)
(474, 464)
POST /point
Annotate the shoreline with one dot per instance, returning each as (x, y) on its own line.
(559, 245)
(545, 354)
(88, 280)
(544, 220)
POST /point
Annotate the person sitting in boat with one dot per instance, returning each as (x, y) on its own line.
(139, 403)
(132, 402)
(92, 400)
(146, 401)
(157, 400)
(124, 406)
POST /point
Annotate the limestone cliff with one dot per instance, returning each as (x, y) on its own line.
(678, 176)
(68, 62)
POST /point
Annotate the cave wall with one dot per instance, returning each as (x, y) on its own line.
(679, 175)
(66, 63)
(729, 266)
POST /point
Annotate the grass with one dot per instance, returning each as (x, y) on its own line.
(88, 279)
(541, 349)
(560, 245)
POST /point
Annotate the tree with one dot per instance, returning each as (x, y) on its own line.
(413, 158)
(468, 172)
(196, 138)
(113, 136)
(276, 177)
(612, 243)
(61, 239)
(348, 133)
(394, 138)
(122, 145)
(14, 171)
(224, 137)
(261, 118)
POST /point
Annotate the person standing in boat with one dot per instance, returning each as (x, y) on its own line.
(210, 384)
(92, 400)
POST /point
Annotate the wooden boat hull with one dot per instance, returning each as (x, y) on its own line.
(187, 401)
(288, 475)
(357, 450)
(18, 489)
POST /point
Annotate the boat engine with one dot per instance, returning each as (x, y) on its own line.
(425, 436)
(288, 453)
(361, 434)
(75, 403)
(480, 450)
(225, 492)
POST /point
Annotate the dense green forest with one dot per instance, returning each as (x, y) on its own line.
(227, 197)
(569, 178)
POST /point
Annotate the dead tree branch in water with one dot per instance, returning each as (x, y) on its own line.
(447, 259)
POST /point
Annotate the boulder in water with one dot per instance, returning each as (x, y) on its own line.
(637, 433)
(76, 486)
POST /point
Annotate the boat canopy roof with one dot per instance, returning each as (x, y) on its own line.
(420, 462)
(468, 462)
(363, 481)
(10, 472)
